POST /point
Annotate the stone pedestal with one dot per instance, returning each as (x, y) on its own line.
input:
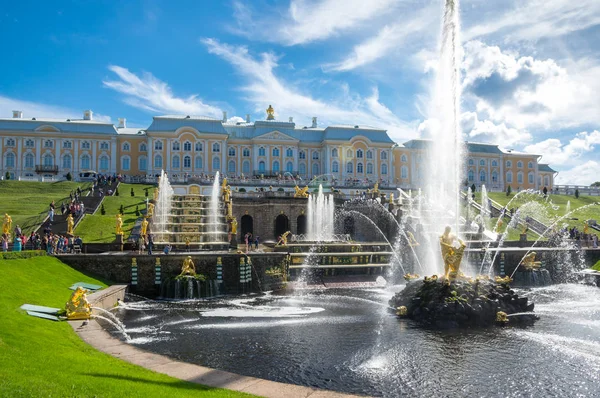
(233, 243)
(120, 242)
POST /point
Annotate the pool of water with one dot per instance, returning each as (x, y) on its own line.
(346, 340)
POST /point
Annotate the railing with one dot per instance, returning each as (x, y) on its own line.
(43, 168)
(570, 190)
(273, 173)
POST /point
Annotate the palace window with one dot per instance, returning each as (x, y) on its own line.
(158, 162)
(471, 175)
(334, 153)
(175, 162)
(508, 164)
(509, 177)
(142, 163)
(198, 162)
(482, 162)
(349, 153)
(471, 162)
(85, 162)
(158, 146)
(10, 142)
(231, 151)
(143, 147)
(216, 148)
(369, 168)
(531, 178)
(482, 176)
(103, 162)
(246, 167)
(302, 169)
(520, 177)
(104, 146)
(125, 163)
(359, 168)
(404, 172)
(383, 155)
(519, 164)
(66, 161)
(262, 151)
(246, 152)
(335, 167)
(315, 155)
(384, 168)
(302, 155)
(85, 145)
(289, 152)
(261, 166)
(198, 147)
(48, 144)
(359, 153)
(10, 160)
(275, 152)
(349, 168)
(126, 147)
(187, 146)
(67, 144)
(403, 159)
(175, 146)
(216, 163)
(494, 176)
(231, 167)
(276, 166)
(29, 143)
(187, 161)
(289, 167)
(530, 165)
(315, 169)
(369, 154)
(29, 160)
(494, 163)
(546, 181)
(48, 160)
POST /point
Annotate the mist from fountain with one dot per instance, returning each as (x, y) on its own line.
(214, 206)
(320, 217)
(162, 208)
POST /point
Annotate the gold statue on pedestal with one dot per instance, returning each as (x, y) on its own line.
(155, 194)
(301, 192)
(78, 307)
(70, 224)
(270, 113)
(226, 194)
(119, 225)
(188, 267)
(392, 197)
(453, 249)
(529, 262)
(144, 226)
(234, 225)
(223, 185)
(150, 212)
(375, 188)
(412, 242)
(7, 224)
(283, 239)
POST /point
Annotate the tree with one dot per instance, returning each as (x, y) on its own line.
(7, 176)
(121, 209)
(596, 184)
(117, 192)
(132, 193)
(576, 193)
(102, 211)
(146, 192)
(473, 188)
(137, 211)
(545, 190)
(508, 190)
(69, 176)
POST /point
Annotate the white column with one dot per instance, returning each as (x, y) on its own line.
(238, 165)
(296, 153)
(38, 151)
(75, 164)
(254, 165)
(150, 156)
(18, 160)
(94, 161)
(268, 149)
(206, 148)
(167, 160)
(113, 155)
(57, 147)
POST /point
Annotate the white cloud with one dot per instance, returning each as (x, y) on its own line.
(487, 131)
(583, 174)
(306, 21)
(40, 110)
(557, 153)
(263, 88)
(151, 94)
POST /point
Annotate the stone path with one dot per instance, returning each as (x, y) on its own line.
(93, 334)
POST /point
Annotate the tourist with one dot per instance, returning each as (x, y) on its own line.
(17, 244)
(187, 244)
(256, 243)
(246, 239)
(167, 249)
(141, 245)
(4, 243)
(51, 214)
(18, 231)
(150, 244)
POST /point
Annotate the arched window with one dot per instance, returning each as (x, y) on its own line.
(262, 151)
(471, 176)
(404, 172)
(48, 144)
(359, 168)
(125, 163)
(315, 155)
(471, 162)
(359, 153)
(143, 147)
(334, 153)
(531, 178)
(29, 143)
(289, 153)
(175, 146)
(519, 164)
(158, 162)
(10, 159)
(104, 146)
(289, 167)
(530, 165)
(276, 166)
(198, 147)
(198, 163)
(302, 169)
(66, 163)
(275, 152)
(349, 168)
(403, 158)
(10, 142)
(216, 147)
(85, 145)
(48, 160)
(231, 151)
(482, 162)
(302, 155)
(369, 168)
(246, 167)
(482, 176)
(508, 164)
(369, 154)
(494, 163)
(142, 163)
(175, 162)
(126, 147)
(216, 163)
(187, 161)
(335, 167)
(520, 177)
(261, 166)
(509, 177)
(29, 160)
(547, 181)
(187, 146)
(383, 155)
(315, 169)
(384, 168)
(69, 145)
(158, 146)
(349, 153)
(104, 162)
(246, 152)
(494, 176)
(231, 167)
(85, 162)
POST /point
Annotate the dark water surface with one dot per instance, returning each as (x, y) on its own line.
(346, 340)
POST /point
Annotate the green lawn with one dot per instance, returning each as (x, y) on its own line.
(98, 228)
(45, 358)
(596, 266)
(27, 202)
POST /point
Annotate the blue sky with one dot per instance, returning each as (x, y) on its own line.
(531, 68)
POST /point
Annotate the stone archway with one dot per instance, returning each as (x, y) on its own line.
(282, 225)
(247, 225)
(301, 226)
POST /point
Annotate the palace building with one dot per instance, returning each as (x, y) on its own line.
(33, 148)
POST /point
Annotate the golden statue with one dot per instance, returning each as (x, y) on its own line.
(401, 311)
(409, 277)
(283, 239)
(586, 228)
(70, 224)
(525, 228)
(453, 249)
(78, 307)
(150, 211)
(188, 267)
(412, 242)
(7, 224)
(226, 194)
(270, 113)
(119, 225)
(301, 192)
(234, 225)
(229, 209)
(155, 194)
(392, 197)
(144, 226)
(223, 185)
(501, 317)
(500, 280)
(376, 188)
(529, 262)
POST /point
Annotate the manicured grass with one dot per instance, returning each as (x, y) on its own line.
(596, 266)
(45, 358)
(27, 202)
(98, 228)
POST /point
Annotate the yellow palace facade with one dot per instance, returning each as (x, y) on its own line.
(184, 145)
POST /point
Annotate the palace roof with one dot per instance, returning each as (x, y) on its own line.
(545, 167)
(63, 125)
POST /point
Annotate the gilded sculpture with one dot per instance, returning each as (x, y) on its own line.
(70, 224)
(144, 226)
(234, 225)
(7, 224)
(119, 225)
(529, 262)
(78, 306)
(150, 211)
(301, 192)
(283, 239)
(270, 113)
(453, 249)
(188, 267)
(155, 194)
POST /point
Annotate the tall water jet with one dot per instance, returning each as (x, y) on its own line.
(162, 208)
(214, 207)
(568, 208)
(486, 208)
(320, 213)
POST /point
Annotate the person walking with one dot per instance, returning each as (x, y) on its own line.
(150, 244)
(4, 243)
(256, 243)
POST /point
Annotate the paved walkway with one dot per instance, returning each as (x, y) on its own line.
(97, 337)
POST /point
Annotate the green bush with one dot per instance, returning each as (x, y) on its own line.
(242, 189)
(69, 176)
(596, 267)
(121, 209)
(576, 193)
(102, 210)
(132, 193)
(508, 190)
(280, 190)
(146, 192)
(137, 211)
(117, 192)
(21, 255)
(7, 176)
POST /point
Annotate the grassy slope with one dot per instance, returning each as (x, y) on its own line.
(27, 202)
(100, 228)
(44, 358)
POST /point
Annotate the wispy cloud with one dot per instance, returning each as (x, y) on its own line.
(40, 110)
(583, 174)
(264, 87)
(306, 21)
(557, 153)
(153, 95)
